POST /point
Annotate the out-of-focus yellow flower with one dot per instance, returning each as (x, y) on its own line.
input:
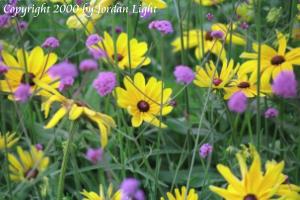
(125, 59)
(101, 196)
(181, 195)
(28, 165)
(209, 2)
(254, 183)
(274, 14)
(144, 101)
(245, 11)
(88, 15)
(10, 140)
(159, 4)
(211, 77)
(272, 61)
(74, 109)
(37, 63)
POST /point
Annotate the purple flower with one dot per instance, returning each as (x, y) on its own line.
(210, 16)
(94, 155)
(271, 113)
(97, 53)
(88, 65)
(163, 26)
(118, 29)
(92, 40)
(217, 35)
(238, 102)
(139, 195)
(3, 68)
(129, 187)
(63, 70)
(184, 74)
(51, 42)
(23, 25)
(105, 83)
(79, 2)
(145, 14)
(22, 93)
(4, 20)
(65, 83)
(244, 25)
(39, 147)
(285, 84)
(205, 150)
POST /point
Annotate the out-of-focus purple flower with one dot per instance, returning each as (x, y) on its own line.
(285, 84)
(244, 25)
(129, 187)
(22, 93)
(94, 155)
(63, 70)
(23, 25)
(163, 26)
(92, 40)
(65, 83)
(238, 102)
(51, 42)
(97, 53)
(88, 65)
(4, 20)
(271, 113)
(1, 47)
(217, 35)
(39, 147)
(118, 29)
(205, 150)
(184, 74)
(105, 83)
(139, 195)
(3, 68)
(210, 16)
(145, 14)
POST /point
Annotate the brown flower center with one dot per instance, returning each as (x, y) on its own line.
(119, 57)
(143, 106)
(243, 85)
(277, 60)
(217, 81)
(28, 78)
(250, 197)
(208, 36)
(31, 174)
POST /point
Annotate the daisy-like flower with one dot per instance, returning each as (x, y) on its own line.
(213, 45)
(159, 4)
(254, 183)
(74, 109)
(122, 55)
(209, 2)
(101, 196)
(272, 61)
(37, 63)
(180, 195)
(11, 139)
(211, 77)
(247, 84)
(144, 101)
(27, 165)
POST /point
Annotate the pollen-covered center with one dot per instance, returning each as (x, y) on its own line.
(243, 85)
(217, 81)
(143, 106)
(208, 36)
(119, 57)
(31, 174)
(250, 197)
(277, 60)
(28, 78)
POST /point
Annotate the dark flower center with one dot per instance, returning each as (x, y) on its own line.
(277, 60)
(243, 85)
(217, 81)
(143, 106)
(119, 57)
(28, 78)
(250, 197)
(208, 36)
(31, 174)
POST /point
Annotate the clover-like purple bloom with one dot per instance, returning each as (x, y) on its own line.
(22, 93)
(285, 84)
(105, 83)
(184, 74)
(88, 65)
(238, 102)
(205, 150)
(51, 42)
(94, 155)
(92, 40)
(271, 113)
(163, 26)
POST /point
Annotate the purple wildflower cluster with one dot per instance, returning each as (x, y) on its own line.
(285, 84)
(238, 102)
(163, 26)
(184, 74)
(130, 189)
(105, 83)
(51, 42)
(205, 150)
(94, 155)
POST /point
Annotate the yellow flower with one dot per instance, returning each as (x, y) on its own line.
(144, 101)
(74, 110)
(94, 196)
(87, 16)
(10, 139)
(193, 39)
(28, 165)
(191, 195)
(254, 184)
(125, 59)
(209, 2)
(272, 61)
(247, 83)
(37, 65)
(210, 77)
(245, 11)
(160, 4)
